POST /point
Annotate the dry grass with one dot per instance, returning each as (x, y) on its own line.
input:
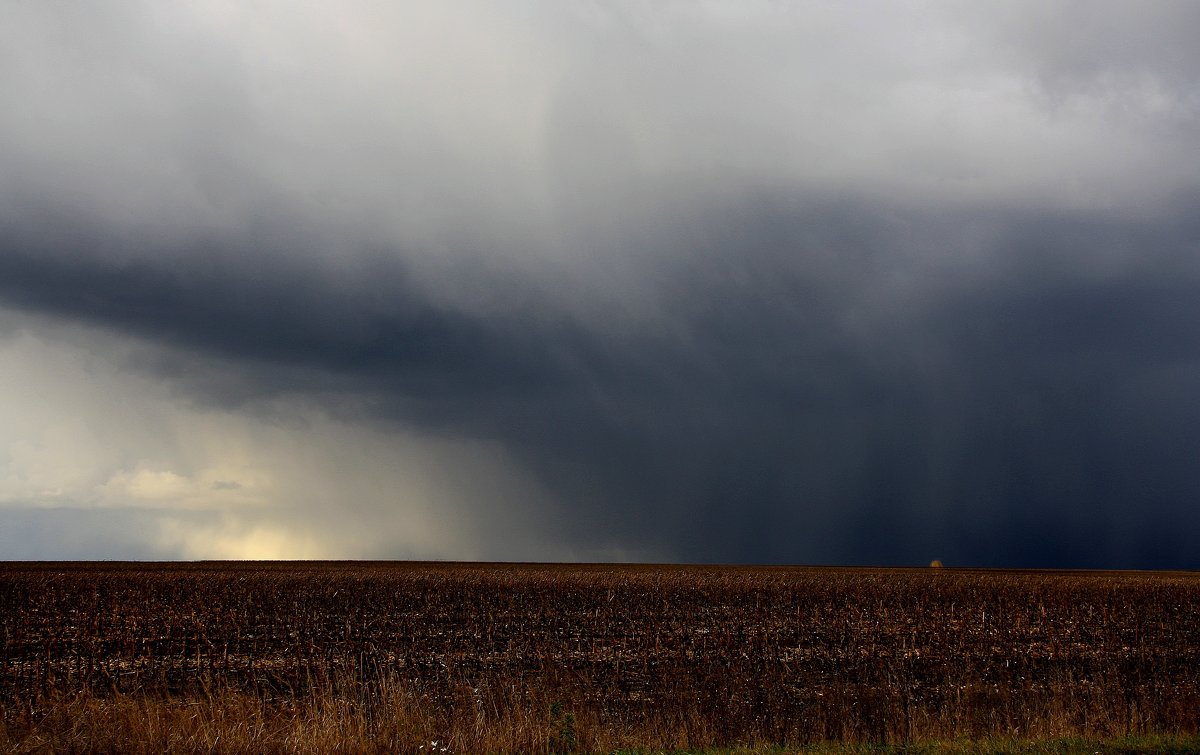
(538, 659)
(240, 723)
(393, 721)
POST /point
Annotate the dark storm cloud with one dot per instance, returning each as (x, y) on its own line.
(1037, 413)
(273, 315)
(718, 306)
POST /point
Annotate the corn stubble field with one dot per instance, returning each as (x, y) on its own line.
(405, 657)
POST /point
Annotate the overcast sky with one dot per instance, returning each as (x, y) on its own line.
(788, 282)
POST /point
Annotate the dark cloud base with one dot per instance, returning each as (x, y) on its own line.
(831, 382)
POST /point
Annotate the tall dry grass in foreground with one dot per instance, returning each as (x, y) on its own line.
(239, 722)
(397, 721)
(479, 658)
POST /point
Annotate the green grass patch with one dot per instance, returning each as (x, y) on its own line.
(1134, 745)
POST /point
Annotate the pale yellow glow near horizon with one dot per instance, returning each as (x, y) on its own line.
(281, 479)
(232, 540)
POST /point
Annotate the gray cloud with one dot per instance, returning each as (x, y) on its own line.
(683, 282)
(1072, 45)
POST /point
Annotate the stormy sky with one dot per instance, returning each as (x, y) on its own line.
(765, 282)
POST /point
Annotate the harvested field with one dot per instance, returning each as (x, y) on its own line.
(524, 657)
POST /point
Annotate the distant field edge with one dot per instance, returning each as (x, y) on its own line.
(223, 564)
